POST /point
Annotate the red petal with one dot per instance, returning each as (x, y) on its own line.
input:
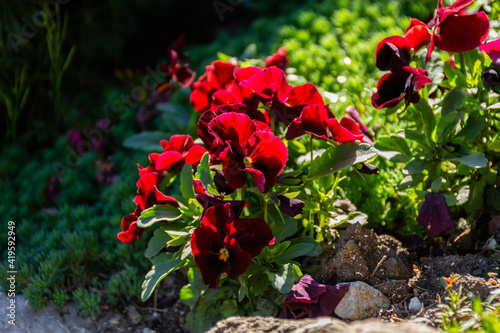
(131, 232)
(338, 133)
(492, 49)
(269, 155)
(211, 268)
(223, 72)
(313, 120)
(201, 96)
(236, 127)
(269, 82)
(462, 33)
(181, 143)
(392, 52)
(417, 34)
(195, 154)
(239, 260)
(244, 73)
(167, 159)
(352, 127)
(252, 234)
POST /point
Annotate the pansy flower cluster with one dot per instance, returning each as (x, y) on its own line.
(246, 117)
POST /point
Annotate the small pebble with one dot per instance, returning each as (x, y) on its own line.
(415, 305)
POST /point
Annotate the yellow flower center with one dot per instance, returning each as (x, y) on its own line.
(248, 162)
(223, 254)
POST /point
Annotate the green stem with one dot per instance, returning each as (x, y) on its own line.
(461, 57)
(336, 182)
(265, 209)
(311, 147)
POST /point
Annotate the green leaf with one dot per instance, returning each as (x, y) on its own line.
(295, 251)
(446, 126)
(416, 166)
(436, 184)
(340, 157)
(229, 307)
(475, 123)
(148, 141)
(157, 242)
(187, 189)
(283, 279)
(316, 251)
(203, 171)
(156, 274)
(475, 160)
(453, 100)
(281, 225)
(393, 143)
(189, 296)
(158, 213)
(428, 119)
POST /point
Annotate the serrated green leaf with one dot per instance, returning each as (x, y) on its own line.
(340, 157)
(155, 275)
(158, 213)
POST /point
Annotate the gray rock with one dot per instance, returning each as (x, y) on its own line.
(415, 306)
(361, 301)
(318, 325)
(134, 316)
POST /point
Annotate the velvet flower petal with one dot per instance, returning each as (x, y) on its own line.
(208, 200)
(149, 195)
(395, 86)
(309, 299)
(178, 151)
(279, 59)
(130, 231)
(392, 53)
(492, 49)
(252, 234)
(418, 34)
(434, 215)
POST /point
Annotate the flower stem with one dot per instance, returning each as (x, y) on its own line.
(461, 57)
(311, 147)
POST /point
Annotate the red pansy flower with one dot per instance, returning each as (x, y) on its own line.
(218, 76)
(179, 151)
(223, 244)
(279, 59)
(434, 215)
(309, 299)
(418, 34)
(286, 102)
(175, 73)
(209, 139)
(319, 121)
(130, 231)
(392, 53)
(405, 83)
(148, 194)
(454, 31)
(492, 49)
(248, 148)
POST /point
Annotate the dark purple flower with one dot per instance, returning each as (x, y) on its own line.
(54, 189)
(491, 79)
(289, 206)
(434, 215)
(404, 83)
(309, 299)
(392, 53)
(106, 172)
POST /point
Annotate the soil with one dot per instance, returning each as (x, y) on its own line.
(382, 261)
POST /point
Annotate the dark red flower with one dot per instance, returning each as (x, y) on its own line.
(434, 215)
(454, 31)
(286, 103)
(392, 53)
(491, 79)
(319, 121)
(309, 299)
(354, 115)
(179, 151)
(208, 200)
(418, 34)
(130, 231)
(492, 49)
(279, 59)
(247, 148)
(222, 244)
(148, 194)
(218, 76)
(175, 73)
(405, 83)
(209, 139)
